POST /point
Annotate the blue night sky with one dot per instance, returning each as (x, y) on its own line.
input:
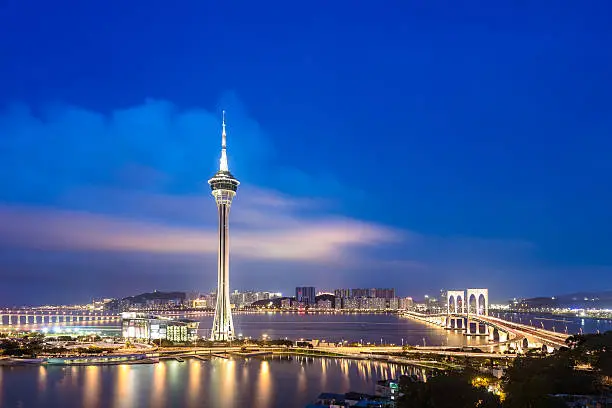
(415, 144)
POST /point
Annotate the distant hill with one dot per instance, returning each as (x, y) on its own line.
(152, 299)
(577, 300)
(601, 300)
(276, 302)
(161, 296)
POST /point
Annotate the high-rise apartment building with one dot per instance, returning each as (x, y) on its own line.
(386, 293)
(383, 293)
(305, 294)
(406, 303)
(342, 293)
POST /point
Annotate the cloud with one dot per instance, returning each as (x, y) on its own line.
(268, 228)
(135, 180)
(154, 146)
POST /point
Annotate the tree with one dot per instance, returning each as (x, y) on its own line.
(531, 380)
(448, 390)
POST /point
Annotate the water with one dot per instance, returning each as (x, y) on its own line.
(254, 383)
(563, 324)
(365, 328)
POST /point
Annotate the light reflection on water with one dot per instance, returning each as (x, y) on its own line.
(91, 391)
(265, 387)
(271, 382)
(158, 396)
(123, 395)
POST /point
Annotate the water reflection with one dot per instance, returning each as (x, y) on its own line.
(195, 381)
(158, 397)
(125, 385)
(73, 374)
(229, 388)
(344, 366)
(264, 386)
(42, 378)
(223, 382)
(257, 382)
(324, 363)
(91, 396)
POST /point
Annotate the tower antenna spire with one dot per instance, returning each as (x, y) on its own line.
(223, 162)
(223, 134)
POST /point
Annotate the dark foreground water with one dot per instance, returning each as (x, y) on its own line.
(252, 383)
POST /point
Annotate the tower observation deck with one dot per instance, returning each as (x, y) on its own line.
(224, 186)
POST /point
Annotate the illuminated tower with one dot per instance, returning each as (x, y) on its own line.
(223, 186)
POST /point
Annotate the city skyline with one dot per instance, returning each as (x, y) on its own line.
(493, 163)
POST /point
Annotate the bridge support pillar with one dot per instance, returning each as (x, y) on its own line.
(474, 328)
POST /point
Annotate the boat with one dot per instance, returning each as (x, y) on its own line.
(21, 361)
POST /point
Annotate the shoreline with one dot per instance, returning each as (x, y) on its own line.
(391, 354)
(180, 356)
